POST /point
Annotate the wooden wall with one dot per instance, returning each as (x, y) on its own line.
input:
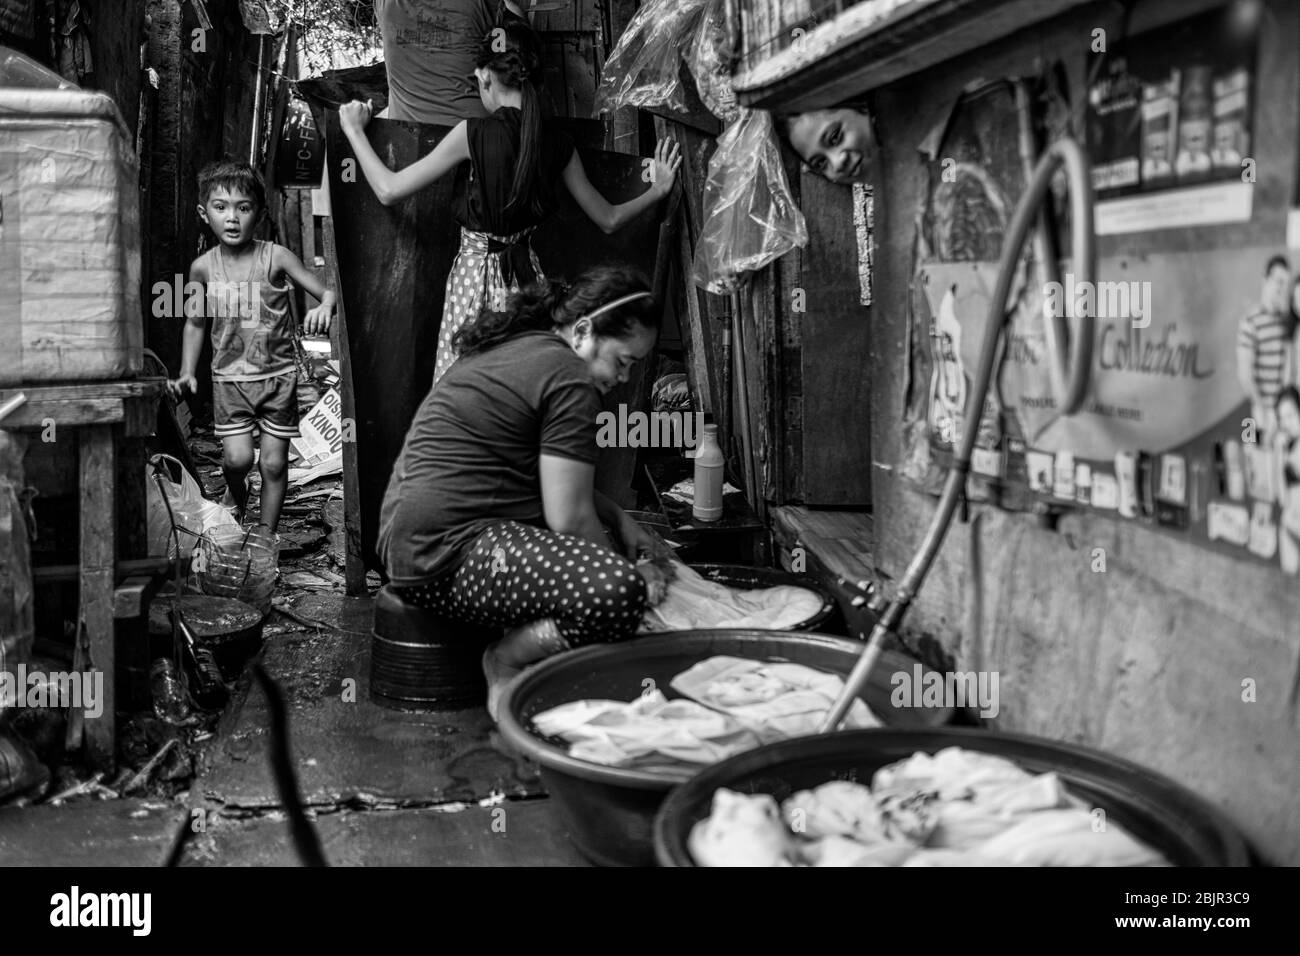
(1147, 659)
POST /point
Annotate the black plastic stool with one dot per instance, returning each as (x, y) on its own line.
(421, 661)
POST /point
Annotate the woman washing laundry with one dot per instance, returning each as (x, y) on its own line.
(491, 516)
(516, 159)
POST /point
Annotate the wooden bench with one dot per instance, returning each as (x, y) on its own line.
(834, 549)
(100, 414)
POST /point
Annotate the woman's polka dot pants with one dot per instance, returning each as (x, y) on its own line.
(516, 573)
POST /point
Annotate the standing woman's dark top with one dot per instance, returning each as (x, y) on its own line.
(519, 161)
(493, 146)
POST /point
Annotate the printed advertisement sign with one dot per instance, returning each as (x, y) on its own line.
(1191, 423)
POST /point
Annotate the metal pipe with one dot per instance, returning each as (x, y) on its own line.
(1046, 265)
(753, 486)
(12, 405)
(1067, 153)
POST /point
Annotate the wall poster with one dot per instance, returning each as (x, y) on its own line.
(1192, 421)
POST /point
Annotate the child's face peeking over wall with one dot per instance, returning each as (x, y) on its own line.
(836, 144)
(231, 216)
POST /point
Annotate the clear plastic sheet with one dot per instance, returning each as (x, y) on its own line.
(644, 68)
(750, 216)
(17, 70)
(710, 63)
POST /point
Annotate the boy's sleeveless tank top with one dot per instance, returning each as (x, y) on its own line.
(252, 330)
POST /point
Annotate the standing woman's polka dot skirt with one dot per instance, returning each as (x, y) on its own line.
(476, 282)
(516, 574)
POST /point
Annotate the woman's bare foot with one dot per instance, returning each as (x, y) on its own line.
(520, 646)
(498, 675)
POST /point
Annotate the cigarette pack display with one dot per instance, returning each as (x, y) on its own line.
(1231, 119)
(1159, 128)
(1195, 117)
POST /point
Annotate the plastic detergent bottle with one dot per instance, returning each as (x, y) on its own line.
(708, 477)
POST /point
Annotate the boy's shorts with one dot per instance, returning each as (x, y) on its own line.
(271, 403)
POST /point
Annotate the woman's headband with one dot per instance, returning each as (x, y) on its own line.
(609, 306)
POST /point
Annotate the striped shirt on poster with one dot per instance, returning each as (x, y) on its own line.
(1268, 338)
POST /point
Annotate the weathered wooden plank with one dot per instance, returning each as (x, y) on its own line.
(570, 72)
(88, 391)
(837, 538)
(699, 356)
(132, 514)
(98, 554)
(909, 45)
(307, 230)
(133, 403)
(714, 311)
(786, 417)
(91, 834)
(355, 562)
(68, 413)
(624, 124)
(835, 342)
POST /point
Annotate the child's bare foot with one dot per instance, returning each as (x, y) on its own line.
(237, 511)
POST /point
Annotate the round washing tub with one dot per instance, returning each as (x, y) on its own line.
(1158, 811)
(744, 578)
(609, 812)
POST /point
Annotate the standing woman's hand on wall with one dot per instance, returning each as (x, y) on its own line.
(354, 115)
(667, 160)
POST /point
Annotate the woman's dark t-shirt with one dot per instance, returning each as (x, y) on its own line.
(471, 454)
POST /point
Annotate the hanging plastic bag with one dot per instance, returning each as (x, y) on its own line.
(180, 503)
(645, 66)
(750, 217)
(710, 63)
(17, 70)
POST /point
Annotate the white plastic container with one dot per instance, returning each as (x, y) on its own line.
(69, 239)
(708, 477)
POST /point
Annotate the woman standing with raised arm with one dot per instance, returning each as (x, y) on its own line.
(517, 161)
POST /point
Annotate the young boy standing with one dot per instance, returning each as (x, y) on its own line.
(254, 375)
